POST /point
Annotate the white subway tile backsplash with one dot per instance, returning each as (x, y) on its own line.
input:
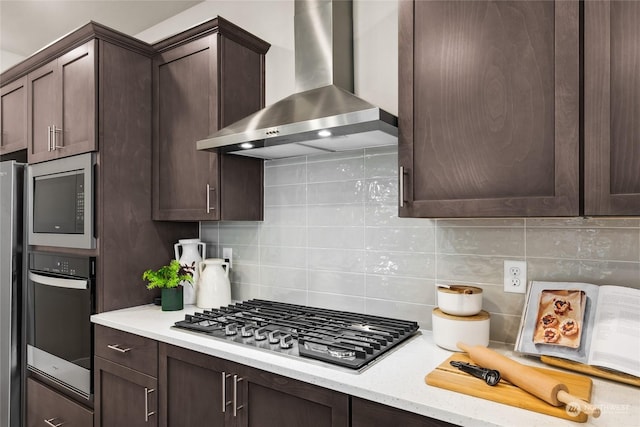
(336, 170)
(284, 277)
(331, 237)
(381, 165)
(348, 260)
(285, 195)
(601, 243)
(411, 264)
(291, 296)
(291, 236)
(239, 235)
(401, 289)
(336, 215)
(481, 241)
(381, 191)
(387, 215)
(407, 239)
(335, 237)
(336, 301)
(346, 192)
(285, 174)
(282, 256)
(284, 215)
(337, 282)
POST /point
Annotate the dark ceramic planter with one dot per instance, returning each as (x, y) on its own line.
(172, 299)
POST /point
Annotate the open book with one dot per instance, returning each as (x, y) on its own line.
(586, 323)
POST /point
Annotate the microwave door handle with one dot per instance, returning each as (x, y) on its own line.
(58, 282)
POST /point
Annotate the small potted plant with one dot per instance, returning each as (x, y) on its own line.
(168, 279)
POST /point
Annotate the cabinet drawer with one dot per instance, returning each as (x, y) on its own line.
(130, 350)
(45, 407)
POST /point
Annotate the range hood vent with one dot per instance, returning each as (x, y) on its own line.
(324, 115)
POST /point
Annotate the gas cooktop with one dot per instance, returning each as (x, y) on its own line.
(346, 339)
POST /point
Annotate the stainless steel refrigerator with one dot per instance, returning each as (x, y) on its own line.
(12, 263)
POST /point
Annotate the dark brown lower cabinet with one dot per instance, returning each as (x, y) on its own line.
(48, 407)
(124, 397)
(275, 401)
(191, 388)
(365, 413)
(195, 387)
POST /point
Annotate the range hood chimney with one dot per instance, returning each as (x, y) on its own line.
(324, 115)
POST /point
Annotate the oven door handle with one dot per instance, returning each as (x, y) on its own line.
(58, 282)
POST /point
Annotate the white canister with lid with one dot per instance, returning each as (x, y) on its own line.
(460, 300)
(448, 330)
(214, 288)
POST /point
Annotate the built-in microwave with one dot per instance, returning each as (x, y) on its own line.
(60, 202)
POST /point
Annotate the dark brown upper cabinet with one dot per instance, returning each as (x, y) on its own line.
(13, 116)
(489, 108)
(204, 79)
(95, 87)
(612, 108)
(62, 105)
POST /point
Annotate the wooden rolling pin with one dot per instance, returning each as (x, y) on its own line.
(528, 379)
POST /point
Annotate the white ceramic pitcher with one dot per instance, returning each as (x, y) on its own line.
(193, 252)
(214, 288)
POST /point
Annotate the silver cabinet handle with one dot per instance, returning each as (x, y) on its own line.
(54, 131)
(147, 414)
(49, 141)
(209, 190)
(50, 422)
(401, 186)
(224, 391)
(236, 380)
(117, 347)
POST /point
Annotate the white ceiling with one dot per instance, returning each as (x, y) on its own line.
(27, 26)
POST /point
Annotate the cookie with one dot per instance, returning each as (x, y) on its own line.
(569, 327)
(551, 335)
(549, 320)
(561, 306)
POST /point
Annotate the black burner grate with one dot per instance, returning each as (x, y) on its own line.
(351, 340)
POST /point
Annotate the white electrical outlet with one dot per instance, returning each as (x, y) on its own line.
(515, 276)
(227, 255)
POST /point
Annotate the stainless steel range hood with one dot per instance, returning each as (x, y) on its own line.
(324, 115)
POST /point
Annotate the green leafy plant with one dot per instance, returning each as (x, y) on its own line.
(168, 276)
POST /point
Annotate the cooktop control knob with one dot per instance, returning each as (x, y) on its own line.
(246, 331)
(260, 334)
(274, 337)
(231, 329)
(286, 341)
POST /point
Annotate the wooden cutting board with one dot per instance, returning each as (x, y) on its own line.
(450, 378)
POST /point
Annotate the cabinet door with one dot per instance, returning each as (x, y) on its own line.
(62, 106)
(612, 107)
(46, 407)
(77, 129)
(489, 108)
(43, 111)
(185, 110)
(13, 116)
(269, 400)
(370, 414)
(124, 397)
(191, 389)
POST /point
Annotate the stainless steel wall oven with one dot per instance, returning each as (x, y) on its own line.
(60, 302)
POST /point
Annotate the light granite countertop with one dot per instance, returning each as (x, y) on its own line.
(396, 380)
